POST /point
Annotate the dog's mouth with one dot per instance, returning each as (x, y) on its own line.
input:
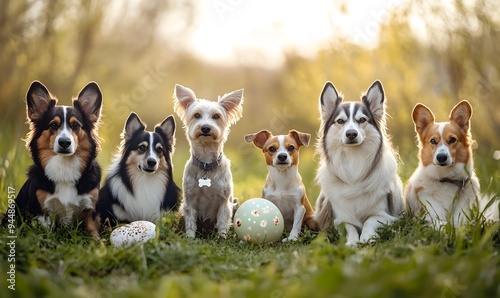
(282, 163)
(64, 152)
(147, 170)
(443, 164)
(352, 142)
(206, 136)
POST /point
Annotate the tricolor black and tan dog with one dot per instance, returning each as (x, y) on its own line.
(284, 185)
(63, 183)
(139, 184)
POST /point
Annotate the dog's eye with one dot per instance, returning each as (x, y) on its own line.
(340, 121)
(75, 126)
(216, 116)
(197, 116)
(159, 149)
(433, 142)
(452, 140)
(291, 148)
(142, 148)
(54, 126)
(272, 149)
(362, 120)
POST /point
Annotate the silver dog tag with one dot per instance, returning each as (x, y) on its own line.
(204, 182)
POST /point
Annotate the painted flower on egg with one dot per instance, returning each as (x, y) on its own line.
(258, 221)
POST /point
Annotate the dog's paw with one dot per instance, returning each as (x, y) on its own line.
(291, 238)
(190, 234)
(95, 235)
(46, 222)
(352, 244)
(440, 224)
(369, 240)
(222, 234)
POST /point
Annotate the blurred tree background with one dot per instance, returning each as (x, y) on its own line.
(136, 51)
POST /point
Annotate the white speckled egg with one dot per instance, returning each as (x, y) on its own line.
(135, 232)
(258, 221)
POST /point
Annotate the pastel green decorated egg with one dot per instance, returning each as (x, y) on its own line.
(258, 221)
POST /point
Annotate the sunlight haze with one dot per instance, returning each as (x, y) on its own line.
(261, 32)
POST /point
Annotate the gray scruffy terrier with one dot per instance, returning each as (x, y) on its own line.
(208, 199)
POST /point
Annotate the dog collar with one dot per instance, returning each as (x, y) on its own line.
(207, 166)
(460, 183)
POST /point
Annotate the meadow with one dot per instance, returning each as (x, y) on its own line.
(137, 52)
(410, 259)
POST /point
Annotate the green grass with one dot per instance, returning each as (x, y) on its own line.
(409, 260)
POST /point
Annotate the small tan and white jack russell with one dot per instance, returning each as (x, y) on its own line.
(284, 185)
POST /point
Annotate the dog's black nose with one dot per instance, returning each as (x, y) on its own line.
(205, 129)
(442, 157)
(151, 162)
(351, 134)
(282, 157)
(64, 143)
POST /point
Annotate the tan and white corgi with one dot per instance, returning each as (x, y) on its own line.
(444, 185)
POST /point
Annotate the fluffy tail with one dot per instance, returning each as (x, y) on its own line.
(324, 214)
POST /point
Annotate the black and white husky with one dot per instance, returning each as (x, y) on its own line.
(360, 186)
(139, 184)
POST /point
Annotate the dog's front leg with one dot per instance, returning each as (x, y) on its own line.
(224, 219)
(372, 224)
(298, 216)
(92, 224)
(351, 232)
(190, 220)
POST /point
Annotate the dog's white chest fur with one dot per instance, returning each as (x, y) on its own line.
(145, 202)
(285, 190)
(442, 200)
(65, 201)
(360, 197)
(64, 169)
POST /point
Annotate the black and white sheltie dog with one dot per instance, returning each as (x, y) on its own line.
(139, 184)
(358, 176)
(63, 183)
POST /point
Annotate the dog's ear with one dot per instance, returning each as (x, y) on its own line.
(329, 100)
(374, 100)
(232, 102)
(183, 97)
(167, 127)
(259, 139)
(461, 114)
(301, 138)
(38, 100)
(132, 125)
(422, 117)
(89, 101)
